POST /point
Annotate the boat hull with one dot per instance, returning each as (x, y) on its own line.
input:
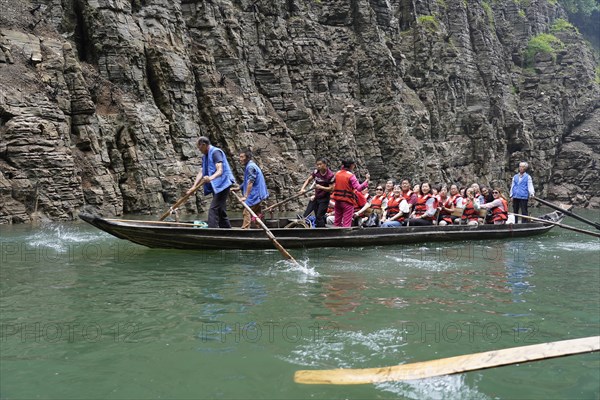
(184, 236)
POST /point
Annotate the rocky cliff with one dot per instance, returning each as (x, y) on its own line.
(101, 100)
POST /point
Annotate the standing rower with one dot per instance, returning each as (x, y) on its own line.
(324, 179)
(217, 178)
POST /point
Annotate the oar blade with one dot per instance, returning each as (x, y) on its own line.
(448, 366)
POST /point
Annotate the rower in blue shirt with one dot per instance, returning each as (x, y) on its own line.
(217, 178)
(254, 187)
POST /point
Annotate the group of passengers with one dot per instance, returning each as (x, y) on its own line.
(341, 200)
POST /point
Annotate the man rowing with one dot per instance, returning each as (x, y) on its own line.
(217, 178)
(254, 187)
(324, 179)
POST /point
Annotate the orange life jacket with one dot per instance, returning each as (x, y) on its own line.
(393, 206)
(330, 206)
(407, 195)
(421, 205)
(498, 214)
(446, 203)
(377, 202)
(470, 213)
(361, 200)
(342, 189)
(447, 215)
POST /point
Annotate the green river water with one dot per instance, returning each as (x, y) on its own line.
(84, 315)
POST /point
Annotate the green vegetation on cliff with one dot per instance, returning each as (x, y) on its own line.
(542, 43)
(561, 25)
(429, 22)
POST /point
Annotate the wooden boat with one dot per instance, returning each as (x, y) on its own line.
(188, 236)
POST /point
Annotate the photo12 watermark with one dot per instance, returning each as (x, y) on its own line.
(468, 332)
(268, 332)
(70, 332)
(20, 252)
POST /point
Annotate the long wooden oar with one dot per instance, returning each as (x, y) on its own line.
(451, 365)
(571, 228)
(181, 200)
(569, 213)
(279, 247)
(286, 200)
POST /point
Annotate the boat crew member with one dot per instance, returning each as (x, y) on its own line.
(254, 187)
(324, 179)
(521, 190)
(343, 193)
(217, 178)
(498, 207)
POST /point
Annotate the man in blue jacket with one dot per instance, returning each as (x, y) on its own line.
(521, 190)
(254, 187)
(217, 178)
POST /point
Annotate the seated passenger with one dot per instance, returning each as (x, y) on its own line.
(477, 193)
(389, 188)
(498, 207)
(448, 207)
(425, 209)
(397, 208)
(408, 194)
(379, 201)
(443, 200)
(417, 189)
(487, 195)
(471, 214)
(362, 205)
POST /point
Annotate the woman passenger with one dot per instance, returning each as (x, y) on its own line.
(397, 208)
(379, 201)
(425, 207)
(471, 214)
(498, 207)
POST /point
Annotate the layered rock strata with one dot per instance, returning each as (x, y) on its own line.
(101, 100)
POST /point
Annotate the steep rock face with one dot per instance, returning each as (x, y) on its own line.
(101, 100)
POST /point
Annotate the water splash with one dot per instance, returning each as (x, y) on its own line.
(441, 387)
(301, 266)
(348, 349)
(58, 237)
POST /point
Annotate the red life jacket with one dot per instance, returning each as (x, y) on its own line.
(377, 202)
(470, 213)
(455, 199)
(342, 189)
(361, 200)
(498, 214)
(393, 206)
(407, 195)
(446, 203)
(446, 215)
(330, 206)
(421, 205)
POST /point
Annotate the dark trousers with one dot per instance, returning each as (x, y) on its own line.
(217, 213)
(319, 206)
(419, 222)
(520, 204)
